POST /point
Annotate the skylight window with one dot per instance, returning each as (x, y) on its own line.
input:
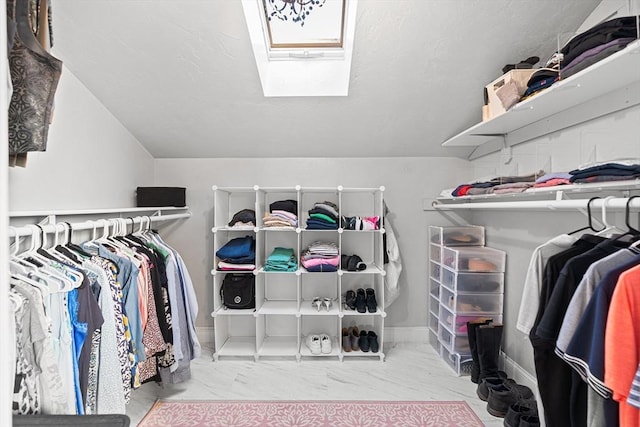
(304, 24)
(302, 47)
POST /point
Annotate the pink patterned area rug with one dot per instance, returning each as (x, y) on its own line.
(318, 413)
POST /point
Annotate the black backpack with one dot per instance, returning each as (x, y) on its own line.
(238, 290)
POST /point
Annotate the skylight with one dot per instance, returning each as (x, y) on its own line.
(302, 47)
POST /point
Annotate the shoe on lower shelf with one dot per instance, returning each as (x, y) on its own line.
(346, 340)
(313, 342)
(363, 342)
(374, 346)
(325, 343)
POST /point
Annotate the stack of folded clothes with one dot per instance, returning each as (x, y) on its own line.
(243, 218)
(541, 79)
(499, 185)
(552, 179)
(323, 216)
(617, 170)
(237, 254)
(281, 259)
(283, 213)
(597, 43)
(360, 222)
(321, 257)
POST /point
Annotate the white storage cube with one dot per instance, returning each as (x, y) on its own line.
(472, 282)
(471, 303)
(452, 342)
(457, 322)
(474, 258)
(470, 235)
(460, 363)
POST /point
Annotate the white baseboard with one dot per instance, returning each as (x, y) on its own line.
(205, 334)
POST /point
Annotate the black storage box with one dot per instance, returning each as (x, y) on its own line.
(160, 196)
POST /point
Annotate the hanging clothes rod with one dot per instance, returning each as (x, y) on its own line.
(160, 210)
(91, 224)
(613, 203)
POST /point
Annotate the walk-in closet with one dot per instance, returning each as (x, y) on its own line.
(331, 212)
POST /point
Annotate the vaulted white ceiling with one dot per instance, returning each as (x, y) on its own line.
(181, 75)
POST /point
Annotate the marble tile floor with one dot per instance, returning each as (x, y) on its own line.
(411, 371)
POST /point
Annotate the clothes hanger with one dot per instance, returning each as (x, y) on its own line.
(609, 229)
(23, 273)
(635, 246)
(56, 281)
(72, 246)
(589, 218)
(62, 249)
(630, 230)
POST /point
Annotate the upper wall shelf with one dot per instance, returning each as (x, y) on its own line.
(616, 73)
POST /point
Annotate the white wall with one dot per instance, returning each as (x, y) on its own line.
(519, 232)
(408, 181)
(91, 161)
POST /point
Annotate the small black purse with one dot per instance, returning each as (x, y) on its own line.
(238, 291)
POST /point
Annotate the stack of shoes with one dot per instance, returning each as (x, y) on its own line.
(354, 339)
(502, 394)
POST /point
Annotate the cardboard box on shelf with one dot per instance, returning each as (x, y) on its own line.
(504, 92)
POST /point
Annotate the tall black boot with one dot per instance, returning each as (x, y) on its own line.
(471, 334)
(488, 342)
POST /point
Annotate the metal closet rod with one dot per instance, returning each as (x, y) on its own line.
(91, 224)
(619, 203)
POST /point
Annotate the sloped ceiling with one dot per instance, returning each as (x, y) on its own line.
(181, 76)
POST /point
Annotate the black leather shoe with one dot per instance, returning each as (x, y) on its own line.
(373, 342)
(363, 342)
(529, 421)
(370, 299)
(518, 410)
(501, 397)
(486, 383)
(361, 305)
(350, 299)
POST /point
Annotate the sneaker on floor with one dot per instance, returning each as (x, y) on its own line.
(314, 344)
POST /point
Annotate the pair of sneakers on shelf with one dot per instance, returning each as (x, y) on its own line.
(319, 343)
(361, 300)
(353, 339)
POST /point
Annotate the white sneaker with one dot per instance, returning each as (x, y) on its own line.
(313, 342)
(325, 343)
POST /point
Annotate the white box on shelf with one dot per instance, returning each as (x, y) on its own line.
(469, 235)
(471, 303)
(472, 282)
(473, 258)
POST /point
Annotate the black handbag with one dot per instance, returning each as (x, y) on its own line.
(238, 291)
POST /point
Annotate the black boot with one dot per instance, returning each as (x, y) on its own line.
(471, 333)
(488, 342)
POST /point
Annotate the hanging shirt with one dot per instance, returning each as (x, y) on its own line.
(622, 344)
(533, 281)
